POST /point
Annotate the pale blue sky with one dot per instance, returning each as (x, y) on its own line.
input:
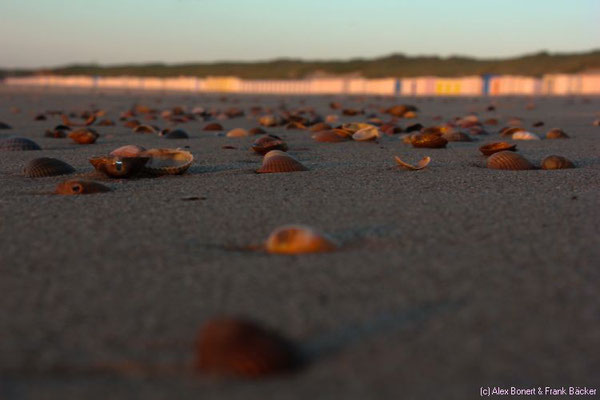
(36, 33)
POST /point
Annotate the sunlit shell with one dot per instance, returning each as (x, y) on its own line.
(145, 129)
(356, 126)
(130, 150)
(176, 134)
(556, 162)
(45, 166)
(298, 239)
(330, 136)
(320, 126)
(375, 121)
(410, 114)
(495, 147)
(268, 120)
(266, 143)
(16, 143)
(257, 131)
(119, 167)
(332, 118)
(508, 160)
(168, 161)
(428, 140)
(400, 110)
(420, 165)
(365, 134)
(524, 135)
(213, 126)
(295, 125)
(556, 133)
(456, 136)
(238, 132)
(276, 161)
(89, 121)
(83, 136)
(80, 186)
(5, 126)
(510, 130)
(239, 347)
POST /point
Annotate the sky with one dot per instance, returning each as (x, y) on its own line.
(46, 33)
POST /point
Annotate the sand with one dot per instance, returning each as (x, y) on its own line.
(449, 279)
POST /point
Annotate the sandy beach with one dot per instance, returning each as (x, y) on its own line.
(449, 279)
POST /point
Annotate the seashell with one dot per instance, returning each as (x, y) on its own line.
(356, 126)
(257, 131)
(330, 136)
(45, 166)
(176, 134)
(239, 347)
(119, 167)
(83, 136)
(80, 186)
(145, 129)
(132, 124)
(477, 130)
(515, 121)
(414, 128)
(495, 147)
(332, 118)
(351, 112)
(400, 110)
(298, 239)
(213, 126)
(375, 121)
(334, 105)
(268, 120)
(106, 122)
(556, 162)
(238, 132)
(320, 126)
(509, 130)
(89, 121)
(596, 122)
(428, 140)
(276, 161)
(168, 161)
(436, 130)
(410, 114)
(130, 150)
(390, 129)
(295, 125)
(15, 143)
(509, 161)
(457, 136)
(420, 165)
(365, 134)
(556, 133)
(5, 126)
(266, 143)
(524, 135)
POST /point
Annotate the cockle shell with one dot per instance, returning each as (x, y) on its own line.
(276, 161)
(456, 136)
(428, 140)
(420, 165)
(556, 162)
(524, 135)
(298, 239)
(410, 114)
(495, 147)
(168, 161)
(268, 120)
(80, 186)
(213, 126)
(145, 129)
(130, 150)
(16, 143)
(556, 133)
(330, 136)
(266, 143)
(510, 130)
(83, 136)
(365, 134)
(45, 166)
(239, 347)
(320, 126)
(295, 125)
(509, 161)
(238, 132)
(119, 167)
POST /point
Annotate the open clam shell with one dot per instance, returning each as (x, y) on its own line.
(424, 162)
(276, 161)
(46, 166)
(428, 140)
(366, 134)
(80, 186)
(298, 239)
(490, 148)
(18, 144)
(508, 160)
(83, 136)
(352, 127)
(238, 347)
(266, 143)
(168, 161)
(119, 167)
(557, 162)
